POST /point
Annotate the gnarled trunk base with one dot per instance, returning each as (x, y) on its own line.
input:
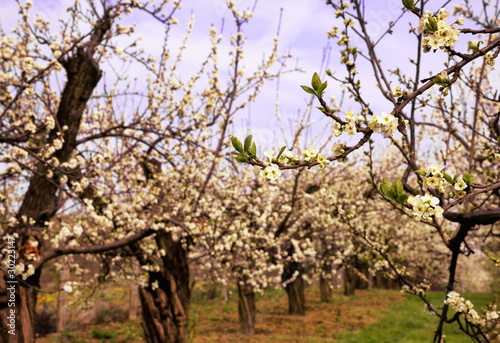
(246, 308)
(349, 281)
(296, 296)
(165, 308)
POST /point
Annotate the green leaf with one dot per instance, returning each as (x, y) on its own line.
(321, 88)
(241, 159)
(281, 151)
(397, 187)
(448, 178)
(237, 144)
(409, 4)
(235, 153)
(434, 24)
(468, 178)
(391, 195)
(384, 181)
(248, 143)
(474, 47)
(308, 90)
(329, 72)
(385, 188)
(316, 82)
(421, 172)
(253, 151)
(402, 198)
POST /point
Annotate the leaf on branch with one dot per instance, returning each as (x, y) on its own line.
(421, 172)
(409, 4)
(253, 151)
(385, 188)
(468, 178)
(321, 89)
(397, 187)
(248, 143)
(402, 198)
(316, 82)
(448, 178)
(237, 144)
(308, 90)
(241, 159)
(391, 195)
(281, 151)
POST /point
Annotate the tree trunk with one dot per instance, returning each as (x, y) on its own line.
(134, 295)
(134, 301)
(18, 321)
(295, 290)
(165, 307)
(62, 299)
(349, 281)
(362, 269)
(224, 292)
(246, 308)
(324, 282)
(40, 202)
(383, 282)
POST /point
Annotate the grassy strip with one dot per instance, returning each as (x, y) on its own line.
(376, 316)
(407, 323)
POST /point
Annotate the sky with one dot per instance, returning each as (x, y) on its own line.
(302, 33)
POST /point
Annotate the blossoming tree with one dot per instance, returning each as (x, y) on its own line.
(445, 128)
(117, 154)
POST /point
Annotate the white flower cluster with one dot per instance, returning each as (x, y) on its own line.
(385, 124)
(286, 157)
(459, 304)
(420, 289)
(338, 149)
(24, 270)
(350, 127)
(437, 32)
(70, 285)
(312, 154)
(271, 172)
(434, 178)
(424, 207)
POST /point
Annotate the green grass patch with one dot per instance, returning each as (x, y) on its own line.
(103, 334)
(407, 322)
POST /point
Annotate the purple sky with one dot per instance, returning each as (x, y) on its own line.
(303, 33)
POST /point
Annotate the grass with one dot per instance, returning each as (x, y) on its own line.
(408, 323)
(370, 316)
(322, 323)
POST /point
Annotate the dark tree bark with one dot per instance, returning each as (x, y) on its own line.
(363, 268)
(41, 200)
(165, 309)
(295, 289)
(383, 282)
(246, 308)
(349, 281)
(324, 283)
